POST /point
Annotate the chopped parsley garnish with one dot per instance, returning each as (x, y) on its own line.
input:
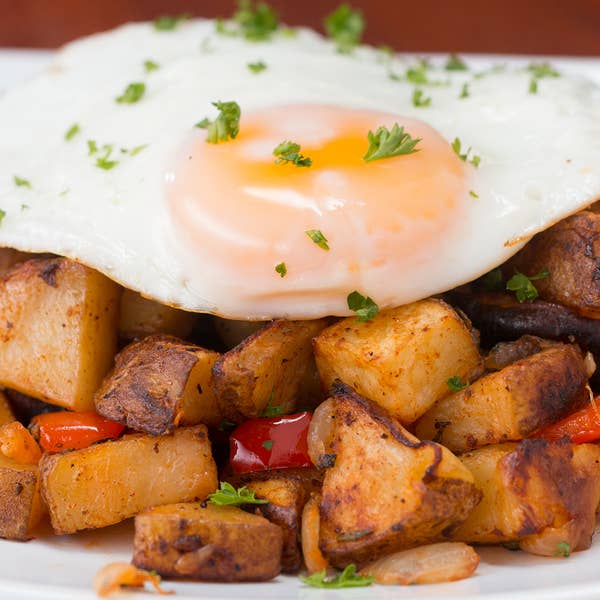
(419, 99)
(92, 147)
(493, 281)
(103, 161)
(227, 495)
(281, 268)
(256, 22)
(522, 286)
(169, 23)
(271, 410)
(137, 149)
(257, 67)
(133, 93)
(345, 27)
(464, 92)
(3, 212)
(318, 238)
(418, 74)
(290, 152)
(473, 193)
(72, 132)
(533, 86)
(150, 65)
(267, 444)
(385, 143)
(456, 384)
(347, 578)
(540, 71)
(465, 157)
(364, 307)
(456, 63)
(20, 182)
(227, 124)
(563, 549)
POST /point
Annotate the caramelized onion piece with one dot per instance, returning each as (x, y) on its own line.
(110, 578)
(436, 563)
(313, 558)
(319, 432)
(17, 443)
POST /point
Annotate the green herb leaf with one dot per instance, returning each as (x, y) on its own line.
(464, 92)
(418, 74)
(533, 86)
(92, 147)
(290, 152)
(226, 126)
(169, 23)
(419, 99)
(137, 149)
(150, 65)
(473, 194)
(255, 22)
(20, 182)
(267, 444)
(257, 67)
(227, 495)
(563, 549)
(522, 286)
(364, 307)
(542, 70)
(72, 132)
(465, 157)
(456, 383)
(281, 268)
(345, 27)
(3, 213)
(456, 63)
(347, 578)
(385, 143)
(133, 93)
(104, 162)
(318, 238)
(271, 410)
(493, 281)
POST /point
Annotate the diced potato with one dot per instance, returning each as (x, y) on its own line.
(21, 506)
(112, 481)
(509, 404)
(402, 358)
(386, 490)
(141, 316)
(204, 541)
(58, 330)
(160, 383)
(533, 488)
(6, 412)
(269, 367)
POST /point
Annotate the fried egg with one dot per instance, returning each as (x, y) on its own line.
(133, 189)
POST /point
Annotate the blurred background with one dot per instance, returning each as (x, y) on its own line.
(570, 27)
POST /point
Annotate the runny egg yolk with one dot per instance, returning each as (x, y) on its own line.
(239, 212)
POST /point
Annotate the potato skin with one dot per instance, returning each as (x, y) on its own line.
(114, 480)
(158, 384)
(271, 366)
(402, 358)
(208, 542)
(509, 404)
(58, 330)
(386, 490)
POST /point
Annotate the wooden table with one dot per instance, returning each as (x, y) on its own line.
(517, 26)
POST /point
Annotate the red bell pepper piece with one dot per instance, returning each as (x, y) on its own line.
(581, 427)
(65, 430)
(270, 443)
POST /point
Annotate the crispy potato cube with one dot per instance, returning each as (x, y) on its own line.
(532, 486)
(509, 404)
(160, 383)
(270, 367)
(386, 490)
(402, 358)
(141, 316)
(112, 481)
(58, 330)
(21, 506)
(6, 412)
(204, 541)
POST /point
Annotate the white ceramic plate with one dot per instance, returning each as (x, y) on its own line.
(62, 568)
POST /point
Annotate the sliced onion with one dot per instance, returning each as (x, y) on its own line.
(320, 431)
(311, 522)
(436, 563)
(110, 578)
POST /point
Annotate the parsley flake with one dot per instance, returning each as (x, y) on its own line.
(465, 157)
(3, 212)
(364, 307)
(347, 578)
(150, 65)
(418, 74)
(271, 410)
(464, 92)
(92, 147)
(169, 23)
(419, 99)
(290, 152)
(345, 27)
(227, 124)
(133, 93)
(456, 63)
(522, 286)
(103, 161)
(137, 149)
(473, 193)
(456, 384)
(267, 444)
(281, 268)
(563, 549)
(493, 281)
(318, 238)
(533, 86)
(385, 143)
(542, 70)
(72, 132)
(257, 67)
(255, 22)
(20, 182)
(227, 495)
